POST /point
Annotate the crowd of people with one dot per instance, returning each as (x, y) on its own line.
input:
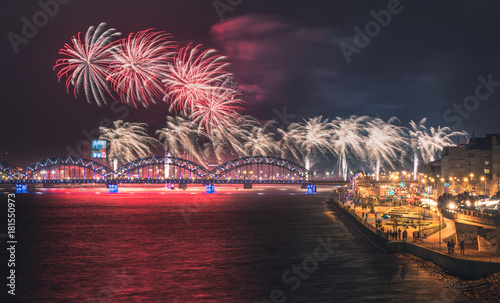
(399, 229)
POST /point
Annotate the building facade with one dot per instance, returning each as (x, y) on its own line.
(473, 166)
(495, 165)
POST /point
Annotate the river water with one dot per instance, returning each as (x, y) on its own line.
(186, 246)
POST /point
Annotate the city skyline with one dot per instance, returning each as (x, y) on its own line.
(301, 54)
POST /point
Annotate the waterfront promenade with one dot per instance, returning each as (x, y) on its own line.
(412, 219)
(470, 264)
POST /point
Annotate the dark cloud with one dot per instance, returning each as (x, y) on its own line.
(275, 62)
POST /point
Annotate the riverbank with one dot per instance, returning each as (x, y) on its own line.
(479, 290)
(466, 268)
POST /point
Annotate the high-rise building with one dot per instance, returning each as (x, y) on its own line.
(473, 166)
(495, 165)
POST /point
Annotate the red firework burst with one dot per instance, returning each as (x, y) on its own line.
(139, 63)
(86, 63)
(218, 110)
(193, 76)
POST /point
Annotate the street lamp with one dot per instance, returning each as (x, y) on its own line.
(433, 184)
(484, 179)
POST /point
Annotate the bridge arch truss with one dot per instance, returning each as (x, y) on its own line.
(261, 168)
(162, 168)
(9, 172)
(67, 168)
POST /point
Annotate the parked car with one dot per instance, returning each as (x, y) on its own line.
(484, 198)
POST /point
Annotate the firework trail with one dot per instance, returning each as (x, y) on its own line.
(86, 63)
(194, 76)
(287, 144)
(384, 141)
(417, 136)
(181, 137)
(226, 143)
(347, 137)
(435, 140)
(128, 141)
(427, 143)
(139, 63)
(259, 142)
(312, 137)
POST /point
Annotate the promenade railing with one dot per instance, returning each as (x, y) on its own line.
(468, 254)
(455, 252)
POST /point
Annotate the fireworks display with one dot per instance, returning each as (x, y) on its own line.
(386, 141)
(149, 66)
(85, 63)
(347, 139)
(364, 139)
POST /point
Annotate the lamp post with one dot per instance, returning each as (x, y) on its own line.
(439, 227)
(434, 185)
(471, 175)
(484, 179)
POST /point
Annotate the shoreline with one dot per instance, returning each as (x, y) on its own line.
(466, 268)
(484, 289)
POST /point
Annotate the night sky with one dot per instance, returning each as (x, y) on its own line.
(282, 53)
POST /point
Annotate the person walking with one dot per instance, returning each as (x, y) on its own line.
(452, 246)
(462, 247)
(405, 235)
(449, 247)
(425, 233)
(399, 234)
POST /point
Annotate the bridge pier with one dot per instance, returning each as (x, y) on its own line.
(210, 188)
(113, 188)
(311, 189)
(22, 188)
